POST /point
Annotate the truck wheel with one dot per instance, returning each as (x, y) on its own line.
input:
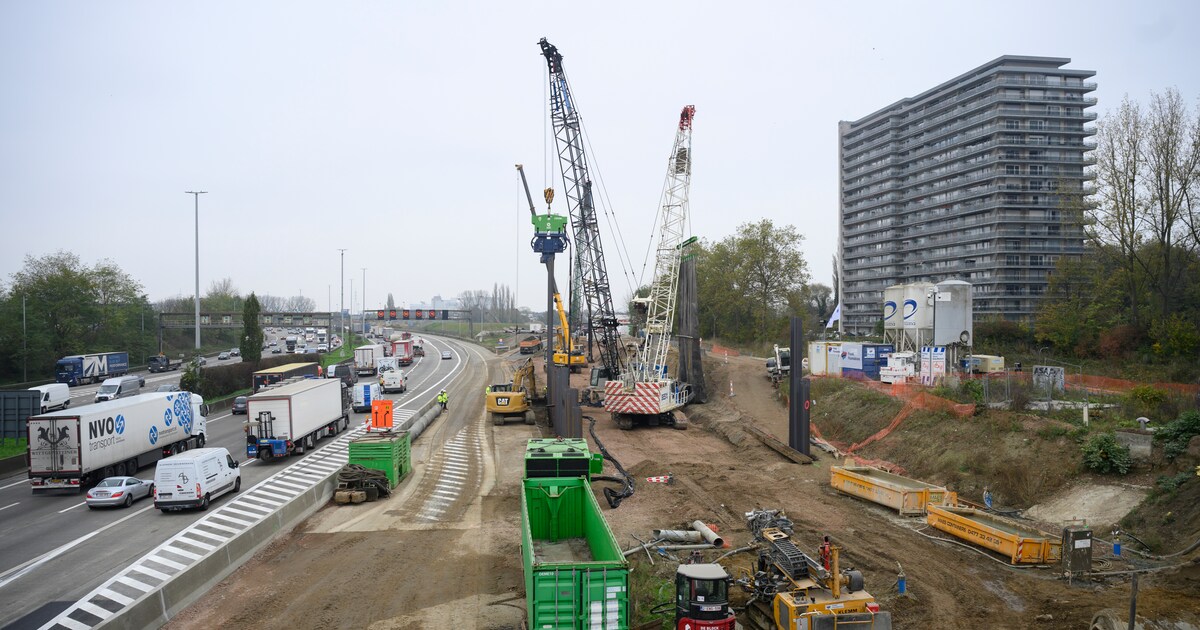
(529, 417)
(204, 503)
(200, 441)
(310, 441)
(130, 467)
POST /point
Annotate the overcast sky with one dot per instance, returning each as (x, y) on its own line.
(391, 128)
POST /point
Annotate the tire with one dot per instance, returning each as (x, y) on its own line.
(497, 419)
(530, 418)
(237, 484)
(130, 467)
(201, 440)
(204, 503)
(91, 507)
(128, 500)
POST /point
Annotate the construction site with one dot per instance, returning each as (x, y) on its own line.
(653, 480)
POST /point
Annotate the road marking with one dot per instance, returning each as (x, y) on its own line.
(15, 483)
(10, 505)
(29, 565)
(72, 507)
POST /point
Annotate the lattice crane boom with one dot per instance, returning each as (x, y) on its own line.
(672, 238)
(577, 184)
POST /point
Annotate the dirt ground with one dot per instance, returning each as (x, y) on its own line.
(378, 566)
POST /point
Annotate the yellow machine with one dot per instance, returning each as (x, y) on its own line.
(793, 590)
(576, 359)
(513, 400)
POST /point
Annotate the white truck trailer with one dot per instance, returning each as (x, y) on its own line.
(72, 450)
(365, 357)
(291, 418)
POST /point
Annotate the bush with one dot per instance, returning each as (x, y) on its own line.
(1118, 341)
(222, 380)
(1104, 455)
(1001, 332)
(1177, 433)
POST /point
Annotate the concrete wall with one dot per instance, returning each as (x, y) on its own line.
(1139, 444)
(154, 609)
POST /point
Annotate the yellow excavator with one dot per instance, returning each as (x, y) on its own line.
(514, 400)
(573, 358)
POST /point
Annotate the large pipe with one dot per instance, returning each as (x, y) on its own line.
(708, 534)
(679, 535)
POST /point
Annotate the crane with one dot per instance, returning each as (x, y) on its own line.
(589, 252)
(646, 390)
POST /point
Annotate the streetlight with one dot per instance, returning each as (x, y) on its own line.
(364, 293)
(196, 195)
(342, 306)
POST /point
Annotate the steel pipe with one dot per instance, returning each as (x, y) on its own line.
(708, 534)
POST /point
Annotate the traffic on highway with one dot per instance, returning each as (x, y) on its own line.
(57, 549)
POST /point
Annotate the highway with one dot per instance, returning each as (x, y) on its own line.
(56, 550)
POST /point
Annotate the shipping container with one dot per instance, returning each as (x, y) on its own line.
(290, 418)
(907, 496)
(389, 453)
(575, 574)
(1017, 543)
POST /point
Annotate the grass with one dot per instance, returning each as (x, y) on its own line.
(240, 392)
(12, 446)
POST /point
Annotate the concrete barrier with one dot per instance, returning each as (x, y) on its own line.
(157, 607)
(13, 464)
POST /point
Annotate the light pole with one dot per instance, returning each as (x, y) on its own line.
(196, 196)
(342, 305)
(364, 293)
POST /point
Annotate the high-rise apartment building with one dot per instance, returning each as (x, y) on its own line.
(976, 179)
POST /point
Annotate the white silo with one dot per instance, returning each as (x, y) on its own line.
(893, 316)
(917, 312)
(955, 314)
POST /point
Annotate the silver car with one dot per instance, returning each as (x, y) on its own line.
(118, 491)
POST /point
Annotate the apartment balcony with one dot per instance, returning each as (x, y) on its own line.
(1003, 81)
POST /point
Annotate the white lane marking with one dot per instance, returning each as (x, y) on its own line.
(15, 483)
(95, 610)
(136, 584)
(116, 597)
(167, 562)
(158, 575)
(74, 625)
(29, 565)
(10, 505)
(72, 507)
(177, 551)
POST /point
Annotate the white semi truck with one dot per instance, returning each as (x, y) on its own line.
(72, 450)
(289, 419)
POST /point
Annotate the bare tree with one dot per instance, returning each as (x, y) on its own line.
(1172, 158)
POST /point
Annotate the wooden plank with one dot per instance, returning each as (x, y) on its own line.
(779, 447)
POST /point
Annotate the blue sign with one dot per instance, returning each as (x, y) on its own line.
(120, 423)
(167, 417)
(153, 435)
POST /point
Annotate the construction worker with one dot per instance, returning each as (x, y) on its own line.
(443, 399)
(320, 372)
(826, 553)
(487, 389)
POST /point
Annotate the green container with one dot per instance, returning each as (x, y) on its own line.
(575, 574)
(388, 452)
(561, 457)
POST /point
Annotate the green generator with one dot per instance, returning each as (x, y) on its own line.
(559, 457)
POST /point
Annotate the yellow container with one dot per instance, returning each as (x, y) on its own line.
(1019, 544)
(907, 496)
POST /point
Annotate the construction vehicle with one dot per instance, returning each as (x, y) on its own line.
(566, 351)
(790, 589)
(702, 598)
(644, 391)
(515, 398)
(590, 272)
(779, 367)
(530, 345)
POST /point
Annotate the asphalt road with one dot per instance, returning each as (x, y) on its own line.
(54, 550)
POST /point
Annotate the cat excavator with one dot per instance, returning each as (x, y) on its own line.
(514, 399)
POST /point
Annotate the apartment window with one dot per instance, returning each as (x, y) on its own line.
(1037, 169)
(1036, 260)
(1012, 260)
(1012, 124)
(1037, 140)
(1012, 169)
(1037, 124)
(1036, 184)
(1053, 110)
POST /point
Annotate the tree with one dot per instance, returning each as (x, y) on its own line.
(189, 380)
(222, 296)
(252, 332)
(769, 264)
(391, 302)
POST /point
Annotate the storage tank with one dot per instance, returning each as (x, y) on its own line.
(893, 299)
(955, 313)
(917, 312)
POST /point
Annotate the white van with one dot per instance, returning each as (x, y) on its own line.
(393, 381)
(119, 387)
(192, 478)
(54, 396)
(364, 393)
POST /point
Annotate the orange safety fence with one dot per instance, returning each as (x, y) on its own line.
(722, 350)
(920, 398)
